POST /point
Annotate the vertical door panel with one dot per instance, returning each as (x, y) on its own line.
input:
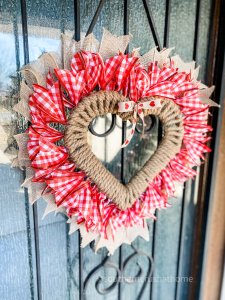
(17, 264)
(17, 255)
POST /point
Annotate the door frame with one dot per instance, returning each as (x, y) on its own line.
(207, 251)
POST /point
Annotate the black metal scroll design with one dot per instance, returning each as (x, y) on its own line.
(120, 275)
(107, 132)
(150, 122)
(140, 274)
(106, 264)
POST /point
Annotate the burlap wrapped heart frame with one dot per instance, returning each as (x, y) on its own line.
(68, 175)
(101, 103)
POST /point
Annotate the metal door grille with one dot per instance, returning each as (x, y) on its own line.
(205, 175)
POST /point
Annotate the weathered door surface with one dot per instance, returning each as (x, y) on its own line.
(38, 259)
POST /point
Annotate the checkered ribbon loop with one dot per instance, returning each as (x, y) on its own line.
(137, 109)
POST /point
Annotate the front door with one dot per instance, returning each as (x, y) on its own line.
(38, 259)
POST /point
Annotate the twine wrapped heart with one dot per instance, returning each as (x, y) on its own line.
(101, 103)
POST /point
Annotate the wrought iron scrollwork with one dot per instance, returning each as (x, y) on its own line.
(98, 282)
(150, 122)
(112, 126)
(140, 273)
(120, 276)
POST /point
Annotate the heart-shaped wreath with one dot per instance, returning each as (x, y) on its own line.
(87, 81)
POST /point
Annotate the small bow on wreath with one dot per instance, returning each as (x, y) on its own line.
(137, 108)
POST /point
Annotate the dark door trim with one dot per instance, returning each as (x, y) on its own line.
(208, 171)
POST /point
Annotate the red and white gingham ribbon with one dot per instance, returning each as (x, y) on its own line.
(137, 108)
(122, 73)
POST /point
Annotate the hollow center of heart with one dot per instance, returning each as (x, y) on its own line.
(124, 164)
